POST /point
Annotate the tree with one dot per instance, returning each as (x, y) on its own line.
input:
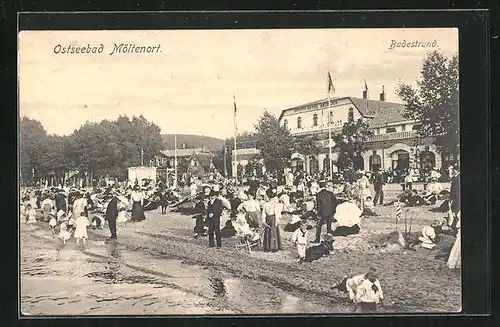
(434, 101)
(108, 148)
(351, 143)
(307, 146)
(32, 148)
(274, 142)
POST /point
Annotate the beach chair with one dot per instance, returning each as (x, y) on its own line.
(248, 238)
(249, 241)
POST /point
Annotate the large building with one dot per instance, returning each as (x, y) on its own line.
(395, 143)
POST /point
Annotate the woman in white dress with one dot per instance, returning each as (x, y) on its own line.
(79, 206)
(455, 258)
(252, 210)
(363, 190)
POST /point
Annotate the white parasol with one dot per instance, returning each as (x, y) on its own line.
(348, 214)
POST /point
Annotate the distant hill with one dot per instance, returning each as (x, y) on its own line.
(192, 141)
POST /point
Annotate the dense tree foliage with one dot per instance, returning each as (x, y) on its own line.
(274, 142)
(351, 143)
(102, 149)
(434, 101)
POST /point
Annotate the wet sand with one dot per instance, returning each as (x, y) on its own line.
(157, 267)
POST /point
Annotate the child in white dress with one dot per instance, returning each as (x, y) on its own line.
(64, 234)
(22, 214)
(81, 224)
(299, 238)
(31, 215)
(53, 224)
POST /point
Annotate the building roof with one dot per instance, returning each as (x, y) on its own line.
(185, 152)
(378, 112)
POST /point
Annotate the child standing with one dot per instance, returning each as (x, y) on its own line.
(53, 224)
(64, 234)
(81, 224)
(299, 238)
(31, 215)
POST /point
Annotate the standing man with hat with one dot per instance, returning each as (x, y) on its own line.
(326, 204)
(214, 211)
(201, 208)
(60, 200)
(112, 214)
(378, 183)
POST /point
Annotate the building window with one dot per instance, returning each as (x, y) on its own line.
(285, 123)
(403, 127)
(390, 130)
(350, 116)
(375, 162)
(416, 127)
(315, 120)
(299, 122)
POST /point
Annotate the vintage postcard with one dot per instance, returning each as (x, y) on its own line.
(235, 172)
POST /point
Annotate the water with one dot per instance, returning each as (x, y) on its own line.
(108, 279)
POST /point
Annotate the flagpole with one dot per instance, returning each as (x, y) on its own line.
(175, 160)
(330, 138)
(235, 173)
(225, 164)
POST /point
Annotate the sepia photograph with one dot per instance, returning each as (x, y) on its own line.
(239, 171)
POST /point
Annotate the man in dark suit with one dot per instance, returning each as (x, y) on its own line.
(112, 214)
(326, 204)
(60, 199)
(214, 211)
(378, 183)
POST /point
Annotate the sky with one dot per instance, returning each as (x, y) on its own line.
(187, 87)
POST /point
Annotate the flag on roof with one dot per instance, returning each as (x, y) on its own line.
(331, 88)
(234, 102)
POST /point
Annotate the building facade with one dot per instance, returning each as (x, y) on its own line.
(394, 145)
(243, 157)
(196, 161)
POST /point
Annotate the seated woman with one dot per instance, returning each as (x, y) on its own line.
(347, 219)
(228, 230)
(251, 208)
(434, 189)
(429, 233)
(243, 230)
(368, 208)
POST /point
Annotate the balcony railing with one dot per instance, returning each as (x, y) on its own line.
(393, 136)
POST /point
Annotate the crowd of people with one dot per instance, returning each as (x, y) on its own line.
(254, 211)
